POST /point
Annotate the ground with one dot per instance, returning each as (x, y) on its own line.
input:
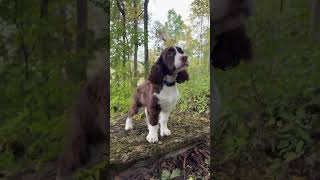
(130, 150)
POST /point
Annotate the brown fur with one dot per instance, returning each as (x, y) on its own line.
(88, 125)
(182, 77)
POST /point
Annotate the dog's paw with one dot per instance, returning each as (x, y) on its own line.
(128, 124)
(165, 132)
(152, 138)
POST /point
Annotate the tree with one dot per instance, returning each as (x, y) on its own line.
(281, 5)
(200, 12)
(82, 37)
(122, 9)
(315, 18)
(173, 27)
(171, 32)
(135, 38)
(44, 17)
(146, 52)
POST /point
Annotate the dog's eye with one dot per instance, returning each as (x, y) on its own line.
(180, 50)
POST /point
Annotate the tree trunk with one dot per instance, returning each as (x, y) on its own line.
(146, 52)
(44, 8)
(81, 38)
(135, 59)
(22, 50)
(44, 39)
(315, 18)
(200, 43)
(44, 53)
(281, 5)
(121, 7)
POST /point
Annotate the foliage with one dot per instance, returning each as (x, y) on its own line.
(39, 68)
(165, 174)
(266, 124)
(93, 173)
(194, 94)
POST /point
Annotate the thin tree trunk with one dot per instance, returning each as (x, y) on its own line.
(22, 50)
(121, 7)
(44, 39)
(281, 5)
(146, 52)
(135, 59)
(315, 18)
(201, 33)
(81, 39)
(44, 53)
(44, 8)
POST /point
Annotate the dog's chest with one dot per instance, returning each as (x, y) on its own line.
(168, 97)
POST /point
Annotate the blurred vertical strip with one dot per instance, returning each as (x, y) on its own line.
(108, 87)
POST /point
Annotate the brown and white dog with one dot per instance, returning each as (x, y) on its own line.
(159, 93)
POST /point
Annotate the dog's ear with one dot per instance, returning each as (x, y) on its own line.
(182, 77)
(156, 74)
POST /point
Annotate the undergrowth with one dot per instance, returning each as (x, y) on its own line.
(270, 107)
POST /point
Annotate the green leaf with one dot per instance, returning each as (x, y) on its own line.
(290, 156)
(283, 144)
(165, 174)
(299, 147)
(175, 173)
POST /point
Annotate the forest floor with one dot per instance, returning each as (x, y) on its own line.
(267, 162)
(48, 172)
(183, 154)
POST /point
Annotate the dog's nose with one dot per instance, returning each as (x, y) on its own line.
(184, 59)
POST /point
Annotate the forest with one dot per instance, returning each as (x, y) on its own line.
(46, 49)
(268, 127)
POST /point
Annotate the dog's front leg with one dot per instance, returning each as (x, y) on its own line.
(153, 126)
(164, 117)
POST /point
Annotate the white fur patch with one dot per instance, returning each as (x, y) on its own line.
(163, 120)
(152, 136)
(129, 124)
(168, 97)
(153, 133)
(177, 59)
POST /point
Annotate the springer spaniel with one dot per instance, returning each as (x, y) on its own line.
(159, 94)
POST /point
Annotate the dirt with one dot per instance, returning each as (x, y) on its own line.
(130, 147)
(192, 162)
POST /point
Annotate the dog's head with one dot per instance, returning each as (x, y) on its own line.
(172, 61)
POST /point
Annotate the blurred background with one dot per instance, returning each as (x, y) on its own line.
(269, 122)
(48, 50)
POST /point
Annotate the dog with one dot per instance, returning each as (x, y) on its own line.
(159, 93)
(87, 127)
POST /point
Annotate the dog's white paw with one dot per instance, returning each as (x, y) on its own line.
(152, 138)
(165, 132)
(128, 124)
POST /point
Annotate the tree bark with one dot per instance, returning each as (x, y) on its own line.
(315, 18)
(44, 39)
(146, 52)
(81, 38)
(121, 7)
(281, 5)
(135, 59)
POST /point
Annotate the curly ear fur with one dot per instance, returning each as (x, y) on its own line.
(182, 77)
(156, 74)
